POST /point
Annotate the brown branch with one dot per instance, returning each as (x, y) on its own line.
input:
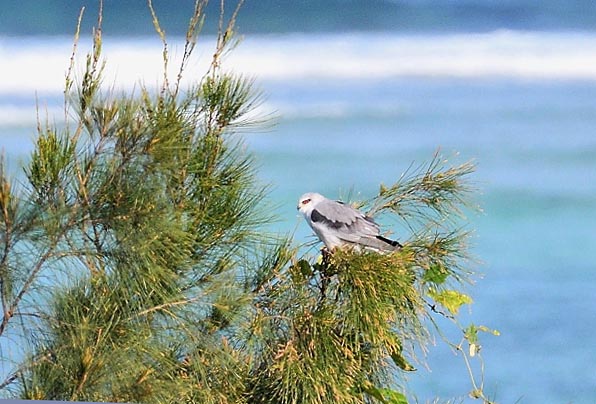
(4, 261)
(23, 368)
(10, 311)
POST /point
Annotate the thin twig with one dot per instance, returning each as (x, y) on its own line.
(191, 39)
(69, 80)
(167, 305)
(162, 36)
(224, 35)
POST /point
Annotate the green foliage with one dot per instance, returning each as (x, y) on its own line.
(430, 192)
(338, 323)
(134, 267)
(452, 300)
(49, 163)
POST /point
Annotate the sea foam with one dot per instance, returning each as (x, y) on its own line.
(33, 67)
(40, 65)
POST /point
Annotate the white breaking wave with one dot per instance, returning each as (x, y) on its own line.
(39, 65)
(527, 55)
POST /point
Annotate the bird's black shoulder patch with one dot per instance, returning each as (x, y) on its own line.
(317, 217)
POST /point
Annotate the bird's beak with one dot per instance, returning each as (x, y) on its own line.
(298, 207)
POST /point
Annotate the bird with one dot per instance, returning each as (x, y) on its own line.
(337, 225)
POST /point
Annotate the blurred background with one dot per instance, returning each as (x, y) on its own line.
(360, 91)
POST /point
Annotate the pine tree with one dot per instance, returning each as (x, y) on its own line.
(134, 266)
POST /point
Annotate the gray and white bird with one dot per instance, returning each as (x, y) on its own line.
(337, 224)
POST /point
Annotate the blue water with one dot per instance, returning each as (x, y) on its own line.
(507, 84)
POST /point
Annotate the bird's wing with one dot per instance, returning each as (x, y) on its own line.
(343, 221)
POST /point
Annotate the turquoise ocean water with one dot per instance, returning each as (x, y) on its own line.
(355, 108)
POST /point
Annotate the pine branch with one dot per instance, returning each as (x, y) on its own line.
(431, 193)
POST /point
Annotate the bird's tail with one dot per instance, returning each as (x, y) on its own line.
(380, 243)
(393, 243)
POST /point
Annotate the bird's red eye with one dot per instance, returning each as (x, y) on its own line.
(304, 202)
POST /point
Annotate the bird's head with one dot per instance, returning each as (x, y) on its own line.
(308, 201)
